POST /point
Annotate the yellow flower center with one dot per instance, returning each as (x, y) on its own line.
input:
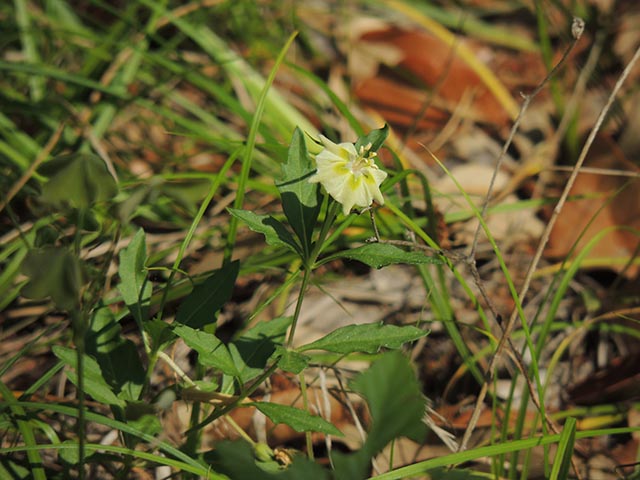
(363, 161)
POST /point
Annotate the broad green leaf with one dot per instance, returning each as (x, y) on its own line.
(54, 272)
(291, 361)
(70, 455)
(134, 287)
(159, 333)
(94, 382)
(300, 199)
(396, 405)
(375, 137)
(201, 305)
(78, 180)
(211, 351)
(252, 350)
(117, 356)
(367, 338)
(378, 255)
(275, 233)
(237, 459)
(299, 420)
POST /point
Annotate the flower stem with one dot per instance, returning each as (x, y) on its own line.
(296, 314)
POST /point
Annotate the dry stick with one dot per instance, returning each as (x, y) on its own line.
(545, 239)
(577, 29)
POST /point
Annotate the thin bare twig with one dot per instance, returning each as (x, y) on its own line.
(543, 242)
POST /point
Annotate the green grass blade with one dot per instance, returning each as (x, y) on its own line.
(562, 460)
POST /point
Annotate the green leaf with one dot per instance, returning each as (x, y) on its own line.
(291, 361)
(396, 405)
(300, 199)
(299, 420)
(211, 351)
(375, 137)
(94, 382)
(564, 454)
(253, 349)
(118, 357)
(237, 459)
(54, 272)
(134, 287)
(367, 338)
(275, 233)
(78, 180)
(201, 305)
(378, 255)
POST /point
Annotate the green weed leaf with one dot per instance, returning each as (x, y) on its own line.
(117, 357)
(237, 459)
(291, 361)
(300, 199)
(253, 349)
(378, 255)
(275, 233)
(299, 420)
(201, 305)
(94, 381)
(211, 351)
(396, 404)
(79, 180)
(375, 137)
(54, 272)
(367, 338)
(134, 287)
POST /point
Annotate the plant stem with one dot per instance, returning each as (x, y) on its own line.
(296, 314)
(305, 404)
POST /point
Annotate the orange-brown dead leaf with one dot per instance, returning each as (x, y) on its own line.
(609, 201)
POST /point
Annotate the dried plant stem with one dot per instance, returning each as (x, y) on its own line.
(543, 242)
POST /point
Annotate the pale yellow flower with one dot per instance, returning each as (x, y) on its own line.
(350, 177)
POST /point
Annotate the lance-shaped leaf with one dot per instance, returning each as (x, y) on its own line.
(275, 233)
(367, 338)
(375, 137)
(378, 255)
(134, 287)
(211, 351)
(299, 420)
(201, 305)
(300, 199)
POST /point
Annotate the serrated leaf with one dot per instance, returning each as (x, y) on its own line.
(252, 350)
(300, 199)
(396, 404)
(367, 338)
(118, 357)
(378, 255)
(211, 351)
(201, 305)
(275, 233)
(291, 361)
(375, 137)
(54, 272)
(299, 420)
(94, 382)
(78, 180)
(134, 287)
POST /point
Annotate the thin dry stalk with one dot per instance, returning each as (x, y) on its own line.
(543, 242)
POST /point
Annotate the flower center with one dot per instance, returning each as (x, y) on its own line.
(363, 160)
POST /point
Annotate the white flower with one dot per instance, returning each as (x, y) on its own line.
(350, 177)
